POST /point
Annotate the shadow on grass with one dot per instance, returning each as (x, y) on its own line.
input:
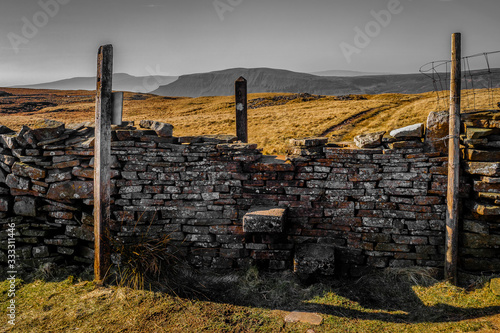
(408, 296)
(397, 296)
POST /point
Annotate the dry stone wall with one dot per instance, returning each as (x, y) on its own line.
(338, 210)
(480, 234)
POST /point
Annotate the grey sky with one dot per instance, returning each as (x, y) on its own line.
(188, 36)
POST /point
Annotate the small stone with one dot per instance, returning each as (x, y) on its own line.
(26, 137)
(485, 210)
(146, 123)
(370, 140)
(304, 317)
(489, 196)
(57, 175)
(412, 131)
(25, 170)
(19, 183)
(25, 206)
(190, 139)
(82, 232)
(71, 190)
(495, 286)
(65, 250)
(40, 252)
(314, 258)
(481, 155)
(4, 205)
(7, 159)
(9, 141)
(5, 130)
(162, 129)
(89, 143)
(405, 145)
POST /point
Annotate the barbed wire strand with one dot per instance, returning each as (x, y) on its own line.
(470, 94)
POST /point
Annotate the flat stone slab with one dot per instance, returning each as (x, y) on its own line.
(219, 138)
(478, 133)
(304, 317)
(309, 142)
(47, 129)
(264, 219)
(370, 140)
(412, 131)
(491, 169)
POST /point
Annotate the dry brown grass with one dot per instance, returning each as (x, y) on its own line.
(269, 127)
(391, 301)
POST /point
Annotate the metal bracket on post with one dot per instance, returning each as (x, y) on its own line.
(117, 108)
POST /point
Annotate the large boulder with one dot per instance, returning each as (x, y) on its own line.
(438, 124)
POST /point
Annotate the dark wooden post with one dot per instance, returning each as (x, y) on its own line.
(241, 109)
(102, 159)
(452, 217)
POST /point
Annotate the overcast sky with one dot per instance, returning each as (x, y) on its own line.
(40, 43)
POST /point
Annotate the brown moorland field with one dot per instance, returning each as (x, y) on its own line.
(274, 119)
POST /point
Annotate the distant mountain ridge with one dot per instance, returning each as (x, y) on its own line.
(336, 72)
(121, 82)
(221, 83)
(261, 80)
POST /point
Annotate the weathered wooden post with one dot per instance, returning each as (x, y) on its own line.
(241, 109)
(452, 216)
(102, 159)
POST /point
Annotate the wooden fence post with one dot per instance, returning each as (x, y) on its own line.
(241, 109)
(102, 159)
(452, 216)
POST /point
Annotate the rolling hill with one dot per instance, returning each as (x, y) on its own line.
(121, 82)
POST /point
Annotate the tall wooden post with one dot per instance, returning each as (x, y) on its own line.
(102, 159)
(452, 216)
(241, 109)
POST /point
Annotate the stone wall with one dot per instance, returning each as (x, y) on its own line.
(480, 234)
(343, 210)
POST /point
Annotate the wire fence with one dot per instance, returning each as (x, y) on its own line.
(480, 81)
